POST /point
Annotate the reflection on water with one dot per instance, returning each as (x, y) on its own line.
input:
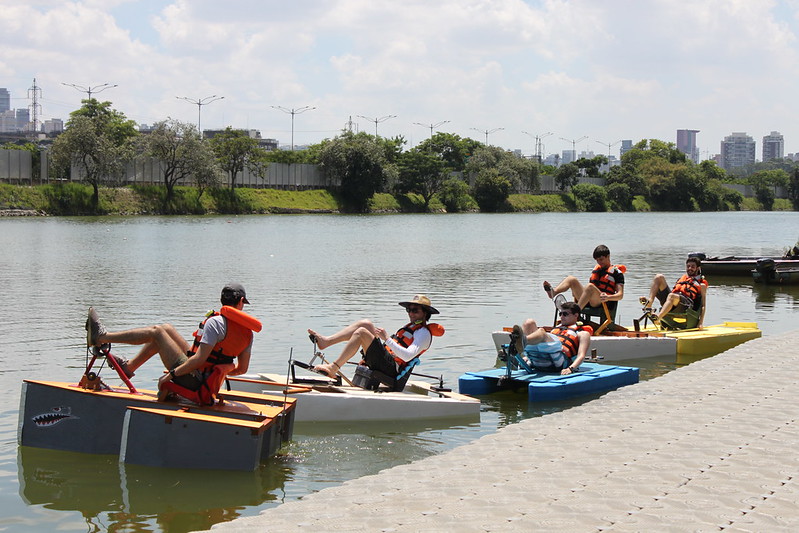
(110, 494)
(482, 271)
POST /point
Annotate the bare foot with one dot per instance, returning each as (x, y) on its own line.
(321, 342)
(328, 370)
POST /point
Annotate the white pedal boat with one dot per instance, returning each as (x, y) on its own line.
(320, 400)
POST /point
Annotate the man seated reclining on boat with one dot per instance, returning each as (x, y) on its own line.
(690, 292)
(574, 341)
(223, 340)
(606, 284)
(381, 352)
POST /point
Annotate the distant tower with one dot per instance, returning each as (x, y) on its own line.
(737, 151)
(773, 146)
(5, 100)
(35, 108)
(626, 146)
(686, 143)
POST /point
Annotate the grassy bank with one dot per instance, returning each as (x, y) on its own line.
(75, 199)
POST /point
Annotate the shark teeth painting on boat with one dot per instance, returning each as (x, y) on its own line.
(53, 417)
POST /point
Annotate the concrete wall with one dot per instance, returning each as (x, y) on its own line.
(16, 166)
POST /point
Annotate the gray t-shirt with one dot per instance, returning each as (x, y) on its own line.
(215, 330)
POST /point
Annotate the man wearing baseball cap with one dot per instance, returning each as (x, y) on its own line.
(388, 354)
(222, 345)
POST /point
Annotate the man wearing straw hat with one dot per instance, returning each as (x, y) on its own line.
(387, 354)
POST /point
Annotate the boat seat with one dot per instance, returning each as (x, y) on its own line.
(603, 313)
(207, 393)
(372, 379)
(686, 320)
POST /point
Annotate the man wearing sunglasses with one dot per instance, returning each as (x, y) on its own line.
(387, 354)
(574, 342)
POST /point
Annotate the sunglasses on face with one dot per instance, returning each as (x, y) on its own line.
(414, 309)
(564, 313)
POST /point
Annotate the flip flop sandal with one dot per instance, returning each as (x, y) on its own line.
(548, 290)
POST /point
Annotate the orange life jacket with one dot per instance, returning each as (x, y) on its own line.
(239, 328)
(603, 278)
(691, 287)
(404, 337)
(568, 338)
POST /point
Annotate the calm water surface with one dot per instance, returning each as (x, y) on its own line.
(482, 271)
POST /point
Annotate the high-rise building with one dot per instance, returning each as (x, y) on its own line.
(737, 151)
(23, 118)
(773, 146)
(53, 125)
(5, 99)
(686, 143)
(568, 156)
(626, 146)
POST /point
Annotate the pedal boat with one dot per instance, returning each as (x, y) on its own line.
(238, 432)
(321, 399)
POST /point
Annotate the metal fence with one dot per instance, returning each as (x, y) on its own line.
(16, 167)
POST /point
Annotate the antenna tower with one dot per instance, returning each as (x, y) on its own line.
(35, 108)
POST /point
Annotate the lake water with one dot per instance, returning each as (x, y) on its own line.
(321, 271)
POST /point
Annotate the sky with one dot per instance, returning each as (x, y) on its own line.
(574, 73)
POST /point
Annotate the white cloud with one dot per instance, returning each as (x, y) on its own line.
(611, 69)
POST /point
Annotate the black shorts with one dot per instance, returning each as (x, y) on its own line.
(378, 358)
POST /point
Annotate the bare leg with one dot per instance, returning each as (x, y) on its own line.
(357, 336)
(569, 283)
(671, 301)
(343, 335)
(658, 284)
(590, 296)
(162, 339)
(532, 333)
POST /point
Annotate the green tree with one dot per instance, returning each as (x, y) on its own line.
(567, 176)
(590, 197)
(453, 150)
(521, 173)
(359, 164)
(182, 153)
(491, 191)
(620, 196)
(793, 188)
(422, 173)
(590, 166)
(235, 150)
(454, 194)
(98, 142)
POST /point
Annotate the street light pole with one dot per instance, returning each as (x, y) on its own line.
(609, 145)
(378, 120)
(89, 89)
(538, 144)
(432, 126)
(487, 132)
(293, 112)
(574, 144)
(200, 103)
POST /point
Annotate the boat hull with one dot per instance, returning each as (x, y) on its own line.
(326, 403)
(592, 378)
(714, 339)
(617, 347)
(142, 430)
(741, 266)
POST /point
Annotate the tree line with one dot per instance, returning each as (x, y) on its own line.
(461, 173)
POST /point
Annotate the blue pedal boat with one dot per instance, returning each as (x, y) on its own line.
(593, 378)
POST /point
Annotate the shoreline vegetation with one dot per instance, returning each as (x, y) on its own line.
(74, 199)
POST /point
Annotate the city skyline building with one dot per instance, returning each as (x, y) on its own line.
(5, 99)
(686, 143)
(773, 146)
(737, 151)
